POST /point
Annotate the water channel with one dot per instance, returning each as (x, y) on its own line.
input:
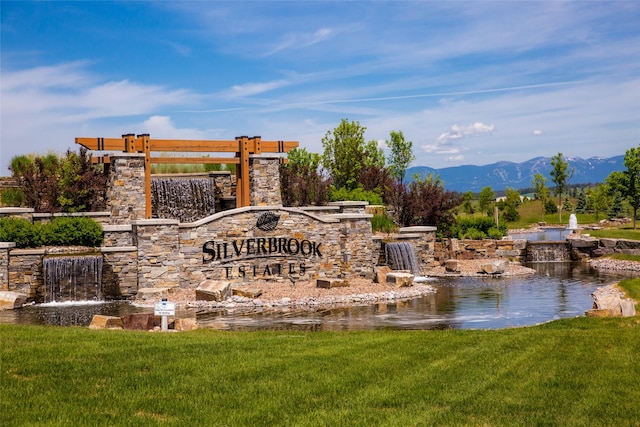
(557, 290)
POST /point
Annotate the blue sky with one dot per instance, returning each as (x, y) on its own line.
(467, 82)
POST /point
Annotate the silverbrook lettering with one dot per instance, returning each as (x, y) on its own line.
(259, 247)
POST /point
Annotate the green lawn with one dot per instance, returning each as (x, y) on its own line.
(575, 372)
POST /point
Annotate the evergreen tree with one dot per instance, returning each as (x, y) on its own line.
(581, 205)
(616, 210)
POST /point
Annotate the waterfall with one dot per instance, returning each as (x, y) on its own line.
(548, 252)
(186, 200)
(72, 278)
(400, 256)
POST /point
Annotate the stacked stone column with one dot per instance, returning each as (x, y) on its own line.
(264, 180)
(126, 188)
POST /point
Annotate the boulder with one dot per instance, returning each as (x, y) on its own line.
(381, 274)
(10, 300)
(188, 324)
(599, 312)
(494, 267)
(100, 321)
(331, 283)
(140, 322)
(628, 307)
(400, 279)
(452, 266)
(246, 291)
(213, 290)
(610, 299)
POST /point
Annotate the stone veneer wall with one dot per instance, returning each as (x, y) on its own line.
(341, 256)
(264, 180)
(480, 249)
(126, 188)
(159, 258)
(5, 247)
(423, 240)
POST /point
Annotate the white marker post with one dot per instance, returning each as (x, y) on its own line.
(164, 309)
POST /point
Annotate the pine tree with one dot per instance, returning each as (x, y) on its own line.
(616, 210)
(581, 204)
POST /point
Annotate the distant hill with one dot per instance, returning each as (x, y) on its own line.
(504, 174)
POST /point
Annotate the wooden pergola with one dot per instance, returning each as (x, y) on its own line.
(242, 146)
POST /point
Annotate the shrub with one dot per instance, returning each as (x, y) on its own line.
(472, 233)
(17, 230)
(550, 207)
(62, 231)
(357, 194)
(383, 223)
(477, 228)
(12, 197)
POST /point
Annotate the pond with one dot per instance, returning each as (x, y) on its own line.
(545, 234)
(557, 290)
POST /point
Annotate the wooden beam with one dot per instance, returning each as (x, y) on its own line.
(196, 160)
(129, 143)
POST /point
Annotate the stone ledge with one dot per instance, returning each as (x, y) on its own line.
(112, 249)
(419, 229)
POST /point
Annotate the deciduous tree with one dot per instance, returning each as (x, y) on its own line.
(401, 155)
(560, 175)
(344, 153)
(542, 192)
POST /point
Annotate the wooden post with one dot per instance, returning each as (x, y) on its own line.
(129, 143)
(147, 174)
(242, 172)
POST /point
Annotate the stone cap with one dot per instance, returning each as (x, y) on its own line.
(121, 154)
(237, 211)
(13, 211)
(158, 221)
(112, 249)
(110, 228)
(7, 245)
(341, 216)
(419, 229)
(349, 203)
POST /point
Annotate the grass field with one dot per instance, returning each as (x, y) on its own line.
(576, 372)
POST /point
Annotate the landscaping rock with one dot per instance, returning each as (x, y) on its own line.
(381, 274)
(213, 290)
(187, 324)
(100, 321)
(609, 299)
(400, 279)
(140, 321)
(452, 266)
(331, 283)
(246, 291)
(494, 267)
(10, 300)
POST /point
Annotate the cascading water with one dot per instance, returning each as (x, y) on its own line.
(72, 278)
(186, 200)
(400, 256)
(548, 252)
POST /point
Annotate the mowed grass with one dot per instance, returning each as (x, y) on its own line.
(575, 372)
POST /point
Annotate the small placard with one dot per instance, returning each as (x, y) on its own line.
(164, 308)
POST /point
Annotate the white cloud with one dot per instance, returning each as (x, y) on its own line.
(249, 89)
(536, 132)
(459, 132)
(162, 127)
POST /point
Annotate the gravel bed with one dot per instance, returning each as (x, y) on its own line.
(614, 264)
(302, 295)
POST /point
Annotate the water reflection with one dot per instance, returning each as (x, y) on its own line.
(557, 290)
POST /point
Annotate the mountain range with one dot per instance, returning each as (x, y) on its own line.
(519, 176)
